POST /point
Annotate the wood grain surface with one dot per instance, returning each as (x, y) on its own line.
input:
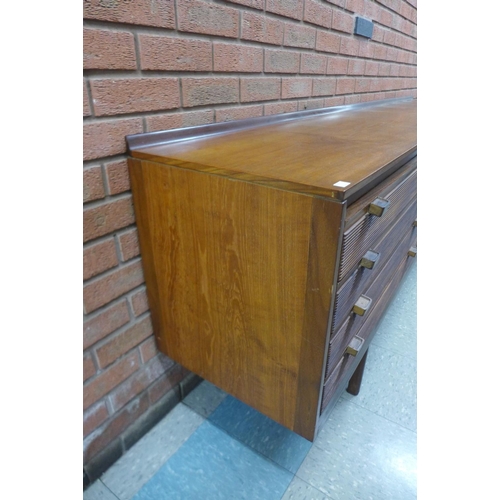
(241, 284)
(307, 155)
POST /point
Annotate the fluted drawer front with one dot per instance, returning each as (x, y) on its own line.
(354, 322)
(344, 364)
(369, 228)
(362, 277)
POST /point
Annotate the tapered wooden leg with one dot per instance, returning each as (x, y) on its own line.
(355, 381)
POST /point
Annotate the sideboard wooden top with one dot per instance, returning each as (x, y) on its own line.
(307, 152)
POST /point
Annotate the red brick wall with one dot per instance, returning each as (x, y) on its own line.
(162, 64)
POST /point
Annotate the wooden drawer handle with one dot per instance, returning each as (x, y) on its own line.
(369, 259)
(355, 345)
(412, 252)
(378, 207)
(362, 305)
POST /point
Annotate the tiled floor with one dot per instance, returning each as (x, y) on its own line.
(211, 446)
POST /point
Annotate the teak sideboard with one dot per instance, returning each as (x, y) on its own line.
(272, 246)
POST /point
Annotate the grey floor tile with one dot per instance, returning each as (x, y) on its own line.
(213, 466)
(397, 330)
(360, 455)
(205, 398)
(300, 490)
(98, 491)
(145, 458)
(389, 387)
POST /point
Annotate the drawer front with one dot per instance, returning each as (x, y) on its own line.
(362, 277)
(346, 361)
(352, 325)
(363, 234)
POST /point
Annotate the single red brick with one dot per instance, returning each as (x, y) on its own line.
(397, 22)
(281, 61)
(376, 84)
(384, 69)
(99, 258)
(115, 426)
(311, 104)
(129, 245)
(255, 4)
(99, 386)
(130, 95)
(324, 86)
(86, 103)
(402, 56)
(260, 89)
(105, 289)
(372, 11)
(378, 34)
(179, 120)
(124, 341)
(280, 107)
(167, 382)
(366, 49)
(175, 54)
(313, 64)
(345, 85)
(318, 13)
(297, 35)
(357, 6)
(296, 87)
(208, 18)
(337, 66)
(394, 70)
(140, 381)
(392, 54)
(385, 17)
(356, 67)
(106, 138)
(352, 99)
(327, 42)
(349, 46)
(335, 101)
(144, 12)
(259, 28)
(202, 91)
(105, 49)
(380, 52)
(229, 57)
(362, 85)
(342, 21)
(339, 3)
(366, 97)
(405, 10)
(108, 217)
(286, 8)
(389, 37)
(105, 323)
(371, 68)
(139, 302)
(88, 367)
(239, 113)
(117, 177)
(93, 187)
(94, 417)
(148, 349)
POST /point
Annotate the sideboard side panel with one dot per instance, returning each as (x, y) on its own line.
(231, 273)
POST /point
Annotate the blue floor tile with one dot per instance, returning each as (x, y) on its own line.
(261, 433)
(213, 466)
